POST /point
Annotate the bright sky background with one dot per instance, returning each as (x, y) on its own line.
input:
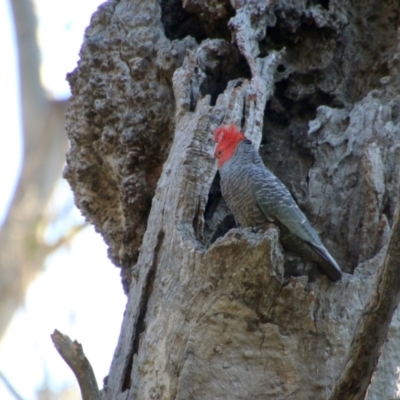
(79, 292)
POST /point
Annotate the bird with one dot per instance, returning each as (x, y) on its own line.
(256, 196)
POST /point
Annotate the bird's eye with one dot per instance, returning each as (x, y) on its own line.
(219, 152)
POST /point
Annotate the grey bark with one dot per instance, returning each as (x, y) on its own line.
(22, 246)
(72, 353)
(216, 316)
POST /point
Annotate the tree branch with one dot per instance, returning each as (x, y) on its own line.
(10, 387)
(73, 355)
(63, 240)
(45, 143)
(373, 325)
(33, 96)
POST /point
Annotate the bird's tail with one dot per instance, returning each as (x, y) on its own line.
(327, 262)
(315, 252)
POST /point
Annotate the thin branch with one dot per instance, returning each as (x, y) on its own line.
(10, 387)
(373, 325)
(72, 353)
(63, 240)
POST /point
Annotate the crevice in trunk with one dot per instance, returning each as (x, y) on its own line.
(141, 323)
(215, 84)
(197, 19)
(217, 216)
(178, 23)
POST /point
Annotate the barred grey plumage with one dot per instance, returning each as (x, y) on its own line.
(255, 196)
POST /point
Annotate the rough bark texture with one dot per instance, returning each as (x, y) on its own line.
(72, 353)
(121, 122)
(372, 327)
(212, 316)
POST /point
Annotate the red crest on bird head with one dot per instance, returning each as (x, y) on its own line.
(227, 138)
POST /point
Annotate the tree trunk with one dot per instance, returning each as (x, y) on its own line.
(213, 314)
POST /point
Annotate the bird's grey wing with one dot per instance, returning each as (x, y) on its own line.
(275, 201)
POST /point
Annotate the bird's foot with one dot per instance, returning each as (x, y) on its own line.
(262, 227)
